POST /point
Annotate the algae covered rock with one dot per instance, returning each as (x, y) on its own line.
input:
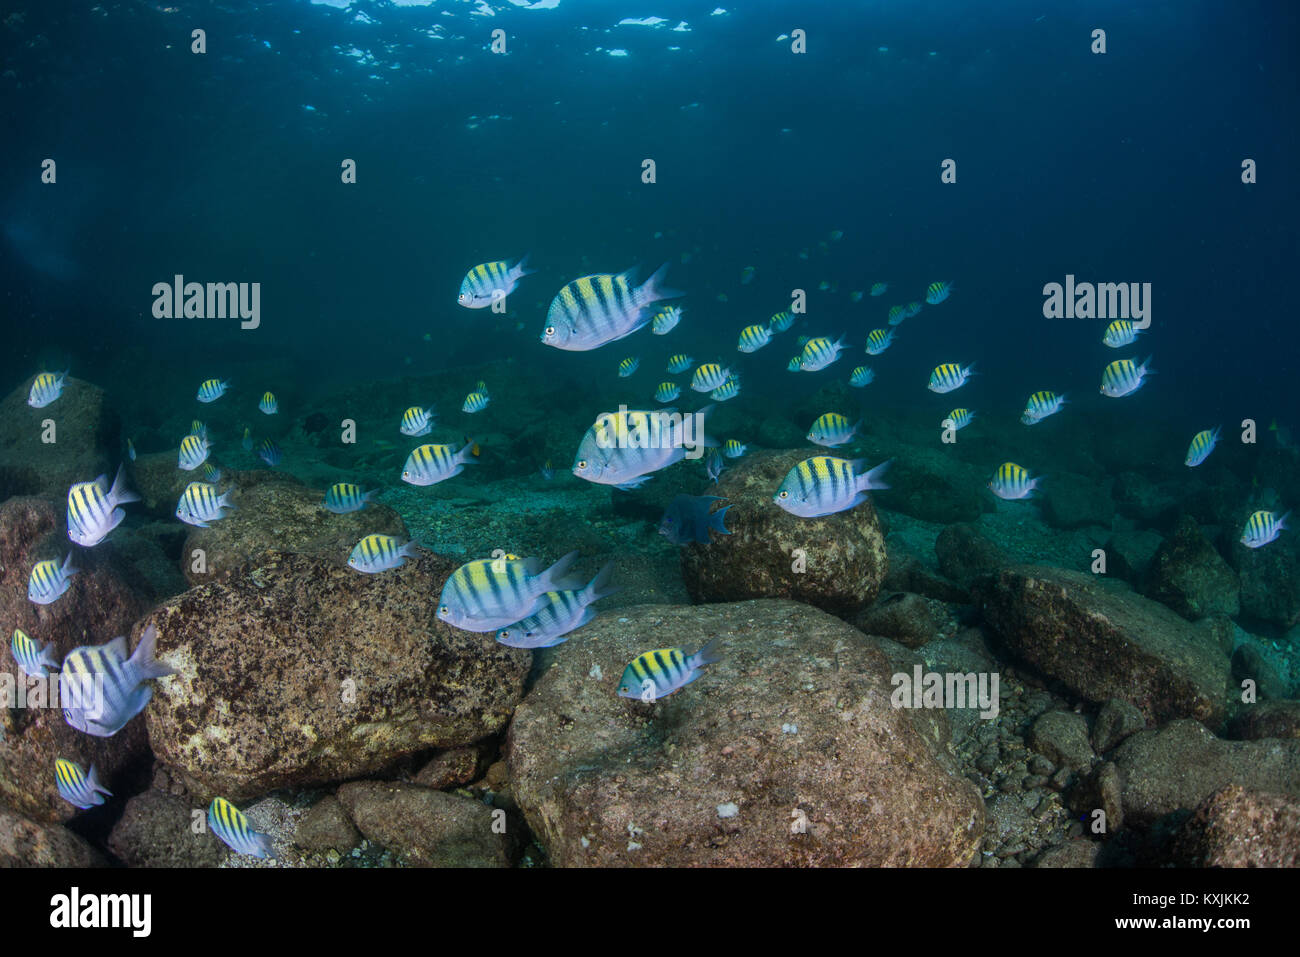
(1189, 576)
(1236, 827)
(155, 831)
(427, 828)
(304, 672)
(1102, 640)
(786, 752)
(836, 562)
(85, 440)
(965, 553)
(25, 843)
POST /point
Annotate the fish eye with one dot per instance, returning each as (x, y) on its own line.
(405, 472)
(582, 464)
(550, 330)
(505, 634)
(442, 610)
(784, 494)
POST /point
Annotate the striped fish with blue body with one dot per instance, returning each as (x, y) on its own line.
(194, 451)
(269, 452)
(729, 389)
(1124, 377)
(46, 388)
(733, 449)
(1040, 406)
(595, 310)
(628, 366)
(861, 376)
(247, 441)
(93, 508)
(417, 421)
(1263, 527)
(713, 466)
(563, 613)
(679, 363)
(878, 340)
(1202, 445)
(210, 390)
(34, 658)
(1121, 333)
(1012, 482)
(819, 353)
(380, 553)
(657, 674)
(269, 404)
(344, 497)
(795, 364)
(229, 824)
(937, 292)
(77, 787)
(492, 593)
(431, 464)
(623, 449)
(958, 419)
(911, 310)
(879, 288)
(49, 580)
(781, 321)
(832, 430)
(897, 316)
(667, 391)
(125, 683)
(211, 473)
(665, 320)
(488, 282)
(753, 338)
(949, 376)
(708, 377)
(201, 503)
(476, 401)
(824, 485)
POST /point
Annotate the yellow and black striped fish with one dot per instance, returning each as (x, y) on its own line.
(430, 464)
(1011, 482)
(657, 674)
(76, 786)
(594, 310)
(230, 824)
(379, 553)
(491, 282)
(949, 376)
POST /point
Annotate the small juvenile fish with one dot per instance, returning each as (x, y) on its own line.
(229, 823)
(488, 282)
(1121, 333)
(201, 503)
(247, 443)
(417, 421)
(563, 613)
(476, 401)
(1263, 527)
(46, 388)
(77, 787)
(212, 389)
(93, 511)
(897, 315)
(855, 295)
(431, 464)
(1202, 445)
(879, 288)
(747, 275)
(713, 466)
(198, 428)
(344, 497)
(1040, 406)
(211, 473)
(548, 470)
(861, 376)
(819, 353)
(657, 674)
(824, 485)
(665, 320)
(667, 391)
(753, 338)
(492, 593)
(732, 449)
(795, 364)
(781, 321)
(728, 390)
(49, 580)
(937, 292)
(130, 450)
(381, 553)
(125, 683)
(959, 419)
(34, 658)
(878, 340)
(949, 376)
(628, 366)
(269, 404)
(689, 518)
(1124, 377)
(911, 310)
(194, 452)
(708, 377)
(833, 430)
(269, 452)
(1012, 482)
(679, 363)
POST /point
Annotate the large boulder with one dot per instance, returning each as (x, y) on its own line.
(836, 562)
(280, 517)
(304, 672)
(1269, 576)
(427, 828)
(105, 597)
(786, 752)
(26, 843)
(965, 553)
(1234, 827)
(1189, 576)
(1102, 640)
(86, 440)
(155, 831)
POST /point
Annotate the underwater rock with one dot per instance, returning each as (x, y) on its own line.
(908, 619)
(908, 573)
(26, 843)
(1138, 497)
(778, 432)
(1270, 577)
(731, 770)
(965, 553)
(1266, 719)
(101, 604)
(326, 827)
(1102, 640)
(1180, 765)
(155, 831)
(1062, 737)
(936, 487)
(281, 517)
(1073, 501)
(843, 560)
(1129, 554)
(427, 828)
(1236, 827)
(86, 441)
(450, 768)
(1189, 576)
(304, 672)
(1080, 852)
(1249, 664)
(1116, 720)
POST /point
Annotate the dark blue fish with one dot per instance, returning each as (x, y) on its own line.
(688, 519)
(269, 452)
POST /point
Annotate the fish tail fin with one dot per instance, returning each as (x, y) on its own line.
(717, 520)
(145, 661)
(49, 658)
(224, 500)
(520, 269)
(871, 479)
(553, 575)
(69, 569)
(1146, 366)
(93, 783)
(1281, 522)
(711, 652)
(469, 454)
(119, 493)
(971, 370)
(601, 586)
(652, 290)
(266, 846)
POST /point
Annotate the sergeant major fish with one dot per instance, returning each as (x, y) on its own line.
(49, 580)
(93, 510)
(125, 691)
(77, 787)
(657, 674)
(595, 310)
(563, 612)
(488, 282)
